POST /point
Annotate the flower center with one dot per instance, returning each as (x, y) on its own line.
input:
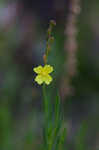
(43, 73)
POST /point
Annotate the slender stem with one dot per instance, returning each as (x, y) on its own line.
(45, 103)
(46, 111)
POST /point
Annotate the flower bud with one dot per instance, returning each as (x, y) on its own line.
(45, 59)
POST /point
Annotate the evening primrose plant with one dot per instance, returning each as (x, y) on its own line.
(53, 131)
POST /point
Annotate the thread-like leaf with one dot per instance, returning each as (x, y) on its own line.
(60, 140)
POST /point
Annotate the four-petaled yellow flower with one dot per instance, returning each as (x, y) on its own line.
(43, 74)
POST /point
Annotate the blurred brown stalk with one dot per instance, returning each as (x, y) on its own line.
(70, 47)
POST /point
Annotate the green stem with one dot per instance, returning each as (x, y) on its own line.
(45, 103)
(46, 113)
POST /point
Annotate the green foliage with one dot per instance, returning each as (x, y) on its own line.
(5, 128)
(54, 132)
(80, 140)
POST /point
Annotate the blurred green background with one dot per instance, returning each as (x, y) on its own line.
(23, 26)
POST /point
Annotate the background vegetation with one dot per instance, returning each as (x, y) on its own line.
(23, 26)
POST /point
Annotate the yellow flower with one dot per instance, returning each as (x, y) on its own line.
(43, 74)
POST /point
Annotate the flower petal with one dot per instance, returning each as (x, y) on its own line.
(48, 79)
(38, 69)
(39, 79)
(48, 69)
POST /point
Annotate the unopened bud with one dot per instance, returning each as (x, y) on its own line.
(45, 58)
(51, 39)
(52, 22)
(48, 48)
(49, 31)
